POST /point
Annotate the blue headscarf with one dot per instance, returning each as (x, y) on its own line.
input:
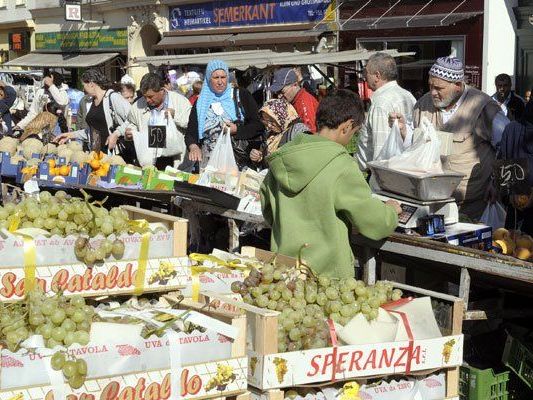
(209, 96)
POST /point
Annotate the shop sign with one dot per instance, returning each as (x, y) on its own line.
(111, 39)
(73, 10)
(18, 41)
(217, 14)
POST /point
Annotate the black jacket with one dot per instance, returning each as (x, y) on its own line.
(515, 108)
(250, 128)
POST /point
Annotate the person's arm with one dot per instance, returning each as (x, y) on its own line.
(252, 126)
(182, 112)
(4, 107)
(191, 135)
(499, 123)
(266, 207)
(33, 111)
(60, 95)
(369, 216)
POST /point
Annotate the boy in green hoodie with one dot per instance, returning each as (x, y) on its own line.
(314, 192)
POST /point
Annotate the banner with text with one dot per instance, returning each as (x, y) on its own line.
(232, 13)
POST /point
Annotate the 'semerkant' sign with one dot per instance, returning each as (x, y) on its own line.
(244, 12)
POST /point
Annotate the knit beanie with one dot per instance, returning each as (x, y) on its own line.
(448, 68)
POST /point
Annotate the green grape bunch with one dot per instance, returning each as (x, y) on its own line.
(305, 301)
(59, 320)
(63, 215)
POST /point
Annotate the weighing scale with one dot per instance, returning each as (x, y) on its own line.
(413, 210)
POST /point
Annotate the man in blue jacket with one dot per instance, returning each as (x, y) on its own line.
(8, 95)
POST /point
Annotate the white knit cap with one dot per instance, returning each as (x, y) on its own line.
(449, 69)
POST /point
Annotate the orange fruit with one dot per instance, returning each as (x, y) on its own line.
(501, 234)
(101, 172)
(522, 253)
(51, 163)
(94, 163)
(105, 167)
(100, 155)
(64, 170)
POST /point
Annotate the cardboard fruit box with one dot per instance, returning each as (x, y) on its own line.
(269, 369)
(121, 361)
(116, 278)
(168, 239)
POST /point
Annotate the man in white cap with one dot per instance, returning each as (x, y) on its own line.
(476, 122)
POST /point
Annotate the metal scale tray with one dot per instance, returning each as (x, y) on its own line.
(427, 187)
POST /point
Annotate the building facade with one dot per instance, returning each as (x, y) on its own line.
(16, 29)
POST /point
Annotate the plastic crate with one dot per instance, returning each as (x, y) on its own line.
(482, 384)
(519, 359)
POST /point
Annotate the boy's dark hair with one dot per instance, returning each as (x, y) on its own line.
(340, 106)
(152, 81)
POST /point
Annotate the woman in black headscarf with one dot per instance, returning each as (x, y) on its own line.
(517, 143)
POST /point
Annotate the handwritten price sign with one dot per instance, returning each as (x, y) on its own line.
(512, 176)
(157, 136)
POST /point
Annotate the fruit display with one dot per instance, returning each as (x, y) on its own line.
(305, 301)
(513, 243)
(60, 321)
(62, 215)
(101, 163)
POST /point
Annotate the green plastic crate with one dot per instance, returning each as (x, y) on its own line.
(482, 384)
(519, 359)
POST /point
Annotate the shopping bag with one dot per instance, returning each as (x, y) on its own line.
(424, 154)
(174, 143)
(221, 171)
(494, 215)
(393, 145)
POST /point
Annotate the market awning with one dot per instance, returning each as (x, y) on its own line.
(236, 39)
(407, 21)
(45, 60)
(264, 58)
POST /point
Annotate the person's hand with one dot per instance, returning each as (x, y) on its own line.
(256, 155)
(401, 122)
(128, 134)
(195, 154)
(63, 138)
(395, 205)
(521, 201)
(48, 81)
(491, 194)
(170, 112)
(232, 127)
(111, 141)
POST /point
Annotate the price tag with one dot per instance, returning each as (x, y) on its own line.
(512, 176)
(157, 136)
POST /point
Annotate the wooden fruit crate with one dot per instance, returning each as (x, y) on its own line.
(263, 347)
(191, 378)
(178, 225)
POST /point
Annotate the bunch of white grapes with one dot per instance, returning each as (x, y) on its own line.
(60, 321)
(306, 302)
(62, 215)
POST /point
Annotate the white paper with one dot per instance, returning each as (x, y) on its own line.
(361, 331)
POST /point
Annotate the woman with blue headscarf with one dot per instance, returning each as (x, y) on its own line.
(221, 106)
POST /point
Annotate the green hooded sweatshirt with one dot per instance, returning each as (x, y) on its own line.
(314, 193)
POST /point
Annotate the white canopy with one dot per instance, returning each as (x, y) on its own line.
(243, 60)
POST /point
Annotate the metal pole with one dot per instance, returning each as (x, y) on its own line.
(451, 12)
(355, 13)
(385, 13)
(418, 12)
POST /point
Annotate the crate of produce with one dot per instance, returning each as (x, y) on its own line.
(140, 348)
(57, 230)
(519, 358)
(430, 387)
(303, 353)
(482, 384)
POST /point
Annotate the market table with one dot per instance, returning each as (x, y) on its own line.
(464, 259)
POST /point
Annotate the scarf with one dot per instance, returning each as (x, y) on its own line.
(284, 114)
(208, 96)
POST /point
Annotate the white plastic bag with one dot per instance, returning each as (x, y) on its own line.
(424, 154)
(175, 142)
(494, 215)
(393, 145)
(221, 171)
